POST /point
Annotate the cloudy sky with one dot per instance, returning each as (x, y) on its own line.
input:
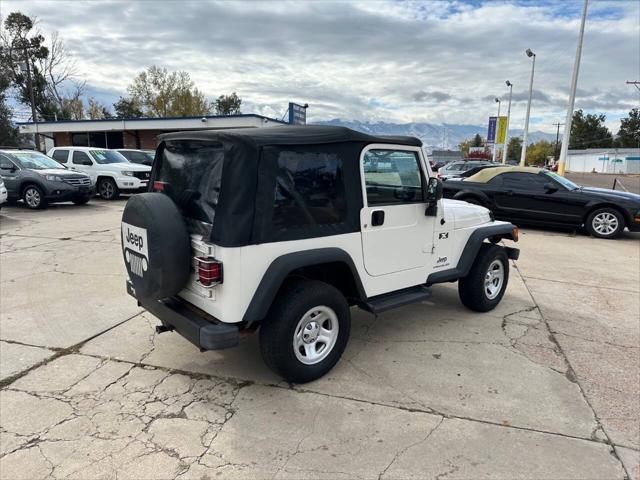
(392, 61)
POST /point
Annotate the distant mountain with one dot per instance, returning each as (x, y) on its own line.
(431, 134)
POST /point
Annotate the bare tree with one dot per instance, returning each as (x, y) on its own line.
(59, 69)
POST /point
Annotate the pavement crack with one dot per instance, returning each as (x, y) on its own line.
(407, 448)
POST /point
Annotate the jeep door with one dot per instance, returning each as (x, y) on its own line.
(396, 234)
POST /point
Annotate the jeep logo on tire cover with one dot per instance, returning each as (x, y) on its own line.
(136, 253)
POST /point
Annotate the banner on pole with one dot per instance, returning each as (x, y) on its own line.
(502, 130)
(491, 134)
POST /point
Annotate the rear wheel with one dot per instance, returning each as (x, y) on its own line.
(605, 223)
(306, 331)
(33, 197)
(108, 189)
(482, 289)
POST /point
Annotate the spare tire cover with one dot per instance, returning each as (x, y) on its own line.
(155, 245)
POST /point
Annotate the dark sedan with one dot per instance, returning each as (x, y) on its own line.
(527, 195)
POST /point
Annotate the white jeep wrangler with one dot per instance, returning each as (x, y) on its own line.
(285, 228)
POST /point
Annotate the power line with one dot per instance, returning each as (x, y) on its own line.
(636, 83)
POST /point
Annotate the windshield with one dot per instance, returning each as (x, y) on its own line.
(563, 181)
(108, 156)
(36, 161)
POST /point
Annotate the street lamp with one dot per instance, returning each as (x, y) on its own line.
(530, 54)
(495, 140)
(506, 136)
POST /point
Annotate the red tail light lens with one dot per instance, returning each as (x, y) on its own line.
(159, 186)
(209, 271)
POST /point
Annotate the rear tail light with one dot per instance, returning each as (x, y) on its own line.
(209, 271)
(159, 186)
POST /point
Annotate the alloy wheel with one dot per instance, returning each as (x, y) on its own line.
(605, 223)
(32, 197)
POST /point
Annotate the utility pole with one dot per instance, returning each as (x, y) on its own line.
(32, 97)
(636, 83)
(495, 140)
(523, 155)
(572, 97)
(555, 151)
(506, 137)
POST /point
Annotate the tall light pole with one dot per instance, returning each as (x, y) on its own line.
(526, 120)
(495, 140)
(572, 95)
(506, 136)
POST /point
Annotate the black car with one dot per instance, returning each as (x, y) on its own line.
(37, 179)
(143, 157)
(527, 195)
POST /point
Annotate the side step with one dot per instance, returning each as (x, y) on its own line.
(399, 298)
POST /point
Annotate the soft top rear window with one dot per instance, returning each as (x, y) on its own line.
(190, 173)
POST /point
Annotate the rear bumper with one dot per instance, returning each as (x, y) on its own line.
(197, 328)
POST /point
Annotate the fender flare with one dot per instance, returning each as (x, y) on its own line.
(282, 266)
(29, 181)
(471, 249)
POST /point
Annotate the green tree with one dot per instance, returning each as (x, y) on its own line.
(477, 141)
(589, 131)
(160, 93)
(52, 71)
(228, 104)
(127, 108)
(8, 132)
(629, 132)
(515, 149)
(538, 152)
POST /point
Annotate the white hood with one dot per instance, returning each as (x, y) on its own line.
(465, 214)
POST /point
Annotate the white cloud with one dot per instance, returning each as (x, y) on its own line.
(384, 61)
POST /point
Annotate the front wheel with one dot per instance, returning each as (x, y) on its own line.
(33, 197)
(306, 331)
(482, 289)
(108, 189)
(605, 223)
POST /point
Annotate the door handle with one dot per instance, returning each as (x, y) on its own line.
(377, 218)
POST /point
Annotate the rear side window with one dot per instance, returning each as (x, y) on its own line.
(309, 189)
(190, 173)
(61, 156)
(81, 158)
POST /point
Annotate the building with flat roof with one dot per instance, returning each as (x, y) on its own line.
(140, 133)
(604, 160)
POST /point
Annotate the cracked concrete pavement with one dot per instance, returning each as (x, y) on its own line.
(545, 386)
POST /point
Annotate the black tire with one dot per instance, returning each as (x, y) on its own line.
(33, 197)
(605, 223)
(289, 309)
(473, 292)
(108, 189)
(81, 200)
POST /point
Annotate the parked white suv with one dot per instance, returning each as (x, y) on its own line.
(285, 228)
(109, 170)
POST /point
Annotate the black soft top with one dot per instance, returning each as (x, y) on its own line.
(291, 135)
(229, 179)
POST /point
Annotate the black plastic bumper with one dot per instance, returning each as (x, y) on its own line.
(69, 193)
(203, 333)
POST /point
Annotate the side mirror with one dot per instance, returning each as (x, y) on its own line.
(432, 193)
(550, 187)
(88, 163)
